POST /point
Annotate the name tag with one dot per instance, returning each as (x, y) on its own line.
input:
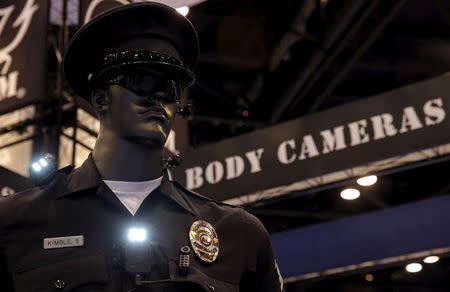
(60, 242)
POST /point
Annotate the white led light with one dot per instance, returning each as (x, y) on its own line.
(36, 167)
(184, 10)
(137, 234)
(431, 259)
(413, 267)
(43, 162)
(350, 194)
(367, 180)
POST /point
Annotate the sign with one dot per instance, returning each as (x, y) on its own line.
(23, 73)
(91, 8)
(398, 122)
(387, 237)
(11, 182)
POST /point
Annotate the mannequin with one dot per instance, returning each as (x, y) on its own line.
(74, 234)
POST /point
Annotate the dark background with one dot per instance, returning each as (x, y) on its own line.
(265, 62)
(31, 63)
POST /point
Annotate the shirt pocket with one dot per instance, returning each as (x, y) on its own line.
(65, 275)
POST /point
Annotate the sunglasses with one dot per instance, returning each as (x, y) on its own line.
(150, 85)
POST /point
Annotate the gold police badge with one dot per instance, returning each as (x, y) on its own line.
(204, 241)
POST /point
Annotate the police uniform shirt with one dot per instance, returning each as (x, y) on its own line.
(77, 205)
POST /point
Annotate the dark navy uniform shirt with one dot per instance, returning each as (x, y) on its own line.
(77, 204)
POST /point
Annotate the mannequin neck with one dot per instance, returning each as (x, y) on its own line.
(120, 159)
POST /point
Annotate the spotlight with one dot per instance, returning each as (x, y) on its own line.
(137, 234)
(350, 194)
(413, 267)
(431, 259)
(43, 169)
(43, 162)
(367, 180)
(369, 277)
(184, 10)
(36, 166)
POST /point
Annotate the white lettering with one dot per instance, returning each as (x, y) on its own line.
(254, 157)
(434, 112)
(309, 148)
(358, 132)
(21, 24)
(382, 126)
(410, 120)
(93, 5)
(214, 172)
(333, 141)
(8, 85)
(282, 152)
(6, 191)
(235, 166)
(194, 178)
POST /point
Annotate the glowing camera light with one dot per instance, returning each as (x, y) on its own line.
(137, 234)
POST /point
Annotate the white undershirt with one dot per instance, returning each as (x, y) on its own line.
(132, 194)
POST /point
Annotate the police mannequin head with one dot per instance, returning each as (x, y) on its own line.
(142, 115)
(132, 63)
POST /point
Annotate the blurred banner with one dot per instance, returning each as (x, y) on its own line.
(11, 182)
(398, 122)
(91, 8)
(382, 238)
(23, 51)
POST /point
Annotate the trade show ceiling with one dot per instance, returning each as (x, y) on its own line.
(263, 63)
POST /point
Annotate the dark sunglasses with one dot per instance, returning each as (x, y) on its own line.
(150, 85)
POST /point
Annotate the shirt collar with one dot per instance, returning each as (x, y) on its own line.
(87, 177)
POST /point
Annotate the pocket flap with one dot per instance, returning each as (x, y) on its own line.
(63, 276)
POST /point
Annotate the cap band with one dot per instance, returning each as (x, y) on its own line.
(138, 57)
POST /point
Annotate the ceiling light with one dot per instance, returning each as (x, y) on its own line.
(413, 267)
(350, 194)
(367, 180)
(431, 259)
(369, 277)
(184, 10)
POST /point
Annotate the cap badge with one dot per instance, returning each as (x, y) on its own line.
(204, 241)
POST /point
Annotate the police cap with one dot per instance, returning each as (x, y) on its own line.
(147, 35)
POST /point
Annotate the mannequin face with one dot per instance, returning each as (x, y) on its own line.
(136, 110)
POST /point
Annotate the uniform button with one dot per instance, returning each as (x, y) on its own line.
(59, 284)
(211, 287)
(116, 261)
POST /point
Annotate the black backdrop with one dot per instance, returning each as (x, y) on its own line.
(23, 47)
